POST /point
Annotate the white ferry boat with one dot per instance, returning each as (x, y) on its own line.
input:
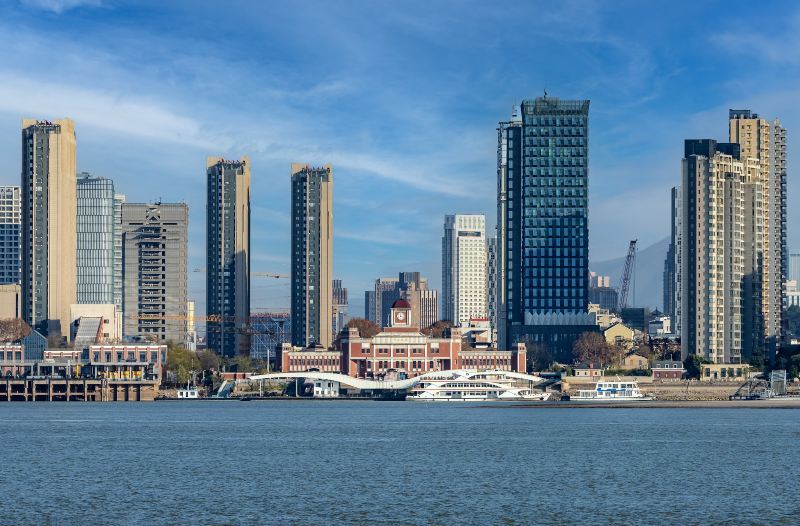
(479, 386)
(616, 391)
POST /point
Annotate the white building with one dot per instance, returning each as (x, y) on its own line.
(464, 294)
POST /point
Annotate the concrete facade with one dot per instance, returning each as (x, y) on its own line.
(49, 237)
(464, 268)
(228, 255)
(10, 301)
(155, 247)
(312, 256)
(10, 228)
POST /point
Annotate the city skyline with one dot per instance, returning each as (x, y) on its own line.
(118, 98)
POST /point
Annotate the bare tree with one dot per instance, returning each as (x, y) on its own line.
(13, 329)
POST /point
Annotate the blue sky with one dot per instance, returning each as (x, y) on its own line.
(401, 97)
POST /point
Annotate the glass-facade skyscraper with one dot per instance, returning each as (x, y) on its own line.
(543, 231)
(96, 240)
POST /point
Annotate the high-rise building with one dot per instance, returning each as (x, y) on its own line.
(339, 308)
(491, 280)
(49, 237)
(96, 241)
(369, 305)
(794, 266)
(464, 268)
(119, 199)
(155, 269)
(715, 185)
(10, 226)
(543, 232)
(765, 141)
(428, 300)
(384, 295)
(312, 244)
(670, 275)
(228, 255)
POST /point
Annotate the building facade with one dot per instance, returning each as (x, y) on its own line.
(154, 255)
(10, 226)
(730, 243)
(119, 199)
(339, 308)
(228, 255)
(464, 268)
(312, 245)
(270, 331)
(543, 231)
(49, 213)
(491, 280)
(670, 276)
(95, 253)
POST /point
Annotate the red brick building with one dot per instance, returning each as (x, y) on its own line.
(667, 370)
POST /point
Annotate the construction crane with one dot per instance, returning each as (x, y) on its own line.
(245, 328)
(254, 274)
(630, 261)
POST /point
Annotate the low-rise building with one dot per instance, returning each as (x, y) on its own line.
(724, 372)
(667, 370)
(588, 370)
(620, 335)
(659, 325)
(603, 317)
(634, 361)
(315, 358)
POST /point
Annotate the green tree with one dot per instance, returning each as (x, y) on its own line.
(180, 362)
(209, 360)
(692, 365)
(538, 357)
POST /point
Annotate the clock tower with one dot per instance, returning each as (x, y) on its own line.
(400, 314)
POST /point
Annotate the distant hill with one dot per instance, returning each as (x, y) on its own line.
(649, 271)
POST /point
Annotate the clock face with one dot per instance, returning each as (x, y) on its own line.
(401, 316)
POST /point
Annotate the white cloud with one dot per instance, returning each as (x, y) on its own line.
(60, 6)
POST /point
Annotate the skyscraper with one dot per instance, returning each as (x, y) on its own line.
(48, 225)
(228, 254)
(714, 196)
(10, 226)
(339, 308)
(794, 266)
(669, 278)
(383, 296)
(543, 232)
(119, 199)
(765, 141)
(96, 240)
(155, 249)
(464, 268)
(312, 244)
(491, 280)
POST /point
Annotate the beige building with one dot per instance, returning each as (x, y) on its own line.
(10, 301)
(620, 335)
(109, 316)
(724, 372)
(49, 238)
(634, 361)
(228, 254)
(763, 145)
(312, 255)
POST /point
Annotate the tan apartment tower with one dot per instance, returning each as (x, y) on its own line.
(228, 255)
(765, 231)
(49, 239)
(312, 261)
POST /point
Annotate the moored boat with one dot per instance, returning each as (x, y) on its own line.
(611, 391)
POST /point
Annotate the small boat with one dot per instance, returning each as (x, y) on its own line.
(478, 386)
(616, 391)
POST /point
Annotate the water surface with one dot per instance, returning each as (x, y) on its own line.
(363, 462)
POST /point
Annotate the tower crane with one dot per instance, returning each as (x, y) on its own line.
(630, 260)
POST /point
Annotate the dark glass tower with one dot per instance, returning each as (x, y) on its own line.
(543, 231)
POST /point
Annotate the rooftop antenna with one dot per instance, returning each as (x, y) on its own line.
(545, 93)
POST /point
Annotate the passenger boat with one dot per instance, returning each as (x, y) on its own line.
(616, 391)
(479, 386)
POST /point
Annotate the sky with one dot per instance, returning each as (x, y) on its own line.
(403, 98)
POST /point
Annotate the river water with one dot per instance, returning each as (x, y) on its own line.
(366, 462)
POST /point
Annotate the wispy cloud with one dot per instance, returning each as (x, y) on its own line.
(60, 6)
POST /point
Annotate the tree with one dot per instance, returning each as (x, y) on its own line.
(438, 329)
(13, 329)
(209, 360)
(538, 357)
(366, 329)
(793, 321)
(180, 363)
(592, 347)
(242, 363)
(692, 366)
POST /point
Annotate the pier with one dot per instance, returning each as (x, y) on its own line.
(50, 389)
